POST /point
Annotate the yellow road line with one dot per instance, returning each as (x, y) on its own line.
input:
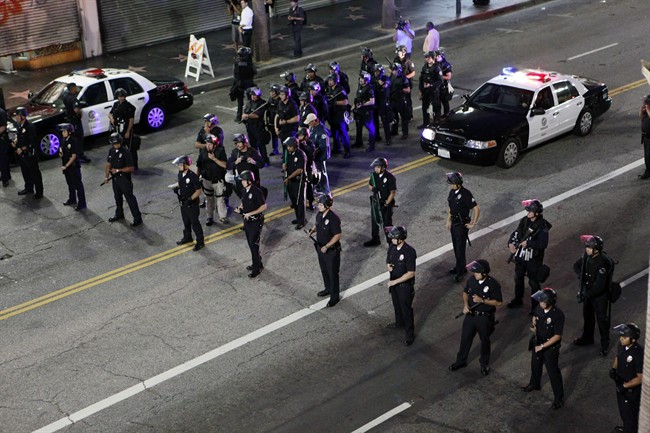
(627, 87)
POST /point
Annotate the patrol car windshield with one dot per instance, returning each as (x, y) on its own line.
(503, 98)
(52, 94)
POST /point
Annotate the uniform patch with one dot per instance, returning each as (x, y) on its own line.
(250, 195)
(486, 289)
(548, 320)
(629, 359)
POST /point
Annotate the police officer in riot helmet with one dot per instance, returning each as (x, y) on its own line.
(547, 326)
(118, 169)
(344, 81)
(245, 158)
(211, 167)
(367, 60)
(364, 104)
(627, 373)
(595, 270)
(311, 76)
(306, 106)
(399, 93)
(122, 118)
(446, 70)
(294, 168)
(383, 185)
(253, 117)
(210, 127)
(269, 118)
(25, 147)
(291, 84)
(69, 152)
(462, 215)
(252, 210)
(337, 102)
(382, 113)
(408, 71)
(287, 119)
(430, 83)
(400, 262)
(481, 297)
(188, 190)
(328, 247)
(243, 73)
(319, 101)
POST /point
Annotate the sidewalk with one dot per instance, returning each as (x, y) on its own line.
(332, 29)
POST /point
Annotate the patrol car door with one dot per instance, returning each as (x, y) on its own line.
(570, 103)
(95, 108)
(542, 126)
(135, 94)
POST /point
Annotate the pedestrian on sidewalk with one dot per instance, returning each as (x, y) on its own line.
(296, 19)
(246, 24)
(235, 12)
(432, 40)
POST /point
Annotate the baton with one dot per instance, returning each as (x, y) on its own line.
(462, 314)
(107, 180)
(254, 111)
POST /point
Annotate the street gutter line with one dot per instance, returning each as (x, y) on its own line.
(294, 317)
(375, 422)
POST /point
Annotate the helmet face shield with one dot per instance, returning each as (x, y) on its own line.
(629, 330)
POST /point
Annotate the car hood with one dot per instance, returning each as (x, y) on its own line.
(479, 124)
(38, 112)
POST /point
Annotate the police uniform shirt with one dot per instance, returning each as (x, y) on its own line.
(630, 361)
(4, 136)
(272, 110)
(381, 87)
(321, 140)
(488, 288)
(70, 147)
(306, 109)
(215, 130)
(308, 148)
(431, 74)
(526, 228)
(71, 102)
(287, 110)
(209, 169)
(296, 160)
(335, 94)
(385, 183)
(403, 261)
(188, 183)
(548, 323)
(596, 273)
(364, 94)
(252, 199)
(121, 114)
(397, 85)
(321, 106)
(327, 226)
(407, 65)
(460, 202)
(367, 66)
(445, 67)
(26, 137)
(244, 164)
(251, 107)
(120, 158)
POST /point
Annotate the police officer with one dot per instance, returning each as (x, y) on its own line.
(527, 245)
(481, 297)
(462, 215)
(122, 118)
(321, 139)
(344, 81)
(430, 83)
(254, 118)
(400, 262)
(627, 372)
(210, 128)
(364, 104)
(383, 114)
(446, 70)
(287, 118)
(211, 167)
(243, 73)
(328, 247)
(73, 115)
(290, 83)
(399, 90)
(310, 76)
(25, 146)
(189, 191)
(307, 146)
(595, 270)
(644, 115)
(306, 107)
(5, 173)
(383, 186)
(119, 166)
(337, 101)
(269, 118)
(252, 209)
(69, 152)
(547, 326)
(245, 158)
(408, 71)
(319, 101)
(367, 60)
(294, 167)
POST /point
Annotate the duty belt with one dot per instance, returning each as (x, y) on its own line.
(481, 313)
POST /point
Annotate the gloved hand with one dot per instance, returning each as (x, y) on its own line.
(620, 388)
(612, 374)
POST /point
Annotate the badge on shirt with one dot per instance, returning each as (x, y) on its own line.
(602, 271)
(458, 197)
(250, 195)
(69, 146)
(327, 221)
(323, 136)
(486, 289)
(119, 155)
(385, 180)
(629, 359)
(187, 180)
(295, 159)
(401, 257)
(548, 320)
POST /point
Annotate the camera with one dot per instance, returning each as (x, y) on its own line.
(401, 23)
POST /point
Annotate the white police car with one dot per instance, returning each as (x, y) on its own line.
(154, 99)
(515, 111)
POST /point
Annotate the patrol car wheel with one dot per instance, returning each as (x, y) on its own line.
(154, 116)
(49, 144)
(585, 123)
(509, 153)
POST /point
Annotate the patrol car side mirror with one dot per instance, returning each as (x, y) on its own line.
(537, 112)
(30, 94)
(466, 96)
(83, 104)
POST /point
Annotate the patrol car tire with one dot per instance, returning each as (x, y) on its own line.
(584, 123)
(509, 153)
(49, 143)
(154, 116)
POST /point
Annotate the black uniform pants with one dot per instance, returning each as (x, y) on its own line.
(528, 269)
(400, 114)
(340, 134)
(444, 99)
(190, 216)
(128, 142)
(274, 140)
(255, 137)
(123, 188)
(383, 116)
(323, 186)
(365, 119)
(31, 173)
(548, 357)
(459, 241)
(330, 265)
(76, 192)
(402, 296)
(430, 98)
(253, 231)
(595, 311)
(247, 37)
(296, 191)
(5, 173)
(628, 406)
(387, 216)
(483, 325)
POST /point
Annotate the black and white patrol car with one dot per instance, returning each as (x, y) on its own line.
(515, 111)
(154, 100)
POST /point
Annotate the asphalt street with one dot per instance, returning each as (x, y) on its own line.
(91, 309)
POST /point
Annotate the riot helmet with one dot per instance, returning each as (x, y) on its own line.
(68, 127)
(255, 91)
(629, 330)
(366, 52)
(365, 77)
(212, 118)
(334, 66)
(288, 76)
(314, 85)
(396, 67)
(333, 77)
(479, 266)
(533, 205)
(304, 96)
(310, 68)
(115, 138)
(183, 159)
(303, 131)
(240, 138)
(120, 92)
(20, 111)
(285, 90)
(291, 142)
(397, 232)
(547, 295)
(379, 162)
(593, 241)
(455, 178)
(246, 175)
(326, 200)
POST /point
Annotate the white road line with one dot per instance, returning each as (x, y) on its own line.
(221, 107)
(375, 422)
(593, 51)
(633, 278)
(255, 335)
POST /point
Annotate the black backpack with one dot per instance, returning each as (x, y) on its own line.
(615, 289)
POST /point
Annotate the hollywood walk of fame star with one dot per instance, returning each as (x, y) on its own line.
(355, 17)
(20, 95)
(280, 36)
(181, 58)
(228, 46)
(316, 26)
(137, 68)
(354, 8)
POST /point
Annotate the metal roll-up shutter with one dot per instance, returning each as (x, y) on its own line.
(136, 23)
(30, 25)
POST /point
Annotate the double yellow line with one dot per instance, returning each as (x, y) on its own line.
(166, 255)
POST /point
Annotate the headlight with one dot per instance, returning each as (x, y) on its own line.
(475, 144)
(428, 134)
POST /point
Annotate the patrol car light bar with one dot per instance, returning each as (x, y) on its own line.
(91, 73)
(540, 76)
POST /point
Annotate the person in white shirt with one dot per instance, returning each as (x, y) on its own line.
(404, 35)
(432, 41)
(246, 24)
